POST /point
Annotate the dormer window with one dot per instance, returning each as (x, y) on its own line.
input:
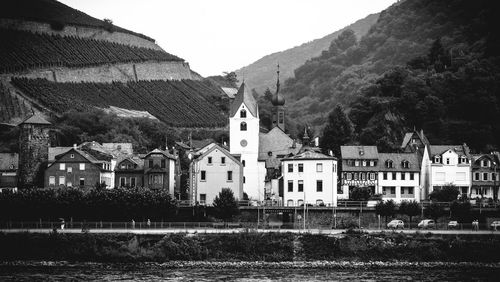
(243, 126)
(437, 159)
(243, 114)
(388, 164)
(485, 163)
(405, 164)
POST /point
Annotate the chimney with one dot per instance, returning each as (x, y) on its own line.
(74, 146)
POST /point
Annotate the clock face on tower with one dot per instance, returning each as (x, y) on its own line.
(243, 143)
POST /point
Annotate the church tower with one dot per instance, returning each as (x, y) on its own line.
(278, 102)
(244, 139)
(34, 142)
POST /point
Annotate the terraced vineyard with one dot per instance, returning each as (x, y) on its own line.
(10, 106)
(180, 103)
(22, 50)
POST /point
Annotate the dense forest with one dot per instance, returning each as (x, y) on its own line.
(425, 64)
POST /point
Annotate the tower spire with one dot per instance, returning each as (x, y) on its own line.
(278, 79)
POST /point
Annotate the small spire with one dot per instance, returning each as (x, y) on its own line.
(306, 137)
(278, 79)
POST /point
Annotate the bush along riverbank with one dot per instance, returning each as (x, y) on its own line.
(249, 247)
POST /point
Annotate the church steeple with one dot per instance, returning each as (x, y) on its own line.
(278, 102)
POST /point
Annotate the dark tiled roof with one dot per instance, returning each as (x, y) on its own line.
(56, 151)
(244, 96)
(165, 153)
(440, 149)
(310, 155)
(397, 159)
(277, 142)
(359, 152)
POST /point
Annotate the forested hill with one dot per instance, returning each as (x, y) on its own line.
(424, 64)
(261, 74)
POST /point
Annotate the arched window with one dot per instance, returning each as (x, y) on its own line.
(388, 164)
(405, 164)
(243, 114)
(243, 126)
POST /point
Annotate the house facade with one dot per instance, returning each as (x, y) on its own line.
(399, 176)
(359, 169)
(212, 170)
(129, 172)
(159, 170)
(309, 178)
(9, 165)
(450, 165)
(485, 177)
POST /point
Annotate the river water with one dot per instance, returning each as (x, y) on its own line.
(158, 272)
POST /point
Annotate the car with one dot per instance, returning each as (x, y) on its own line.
(395, 224)
(453, 224)
(427, 223)
(495, 224)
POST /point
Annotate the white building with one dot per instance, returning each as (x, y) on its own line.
(212, 170)
(450, 165)
(244, 142)
(309, 177)
(399, 176)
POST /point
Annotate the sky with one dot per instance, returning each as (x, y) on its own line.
(216, 36)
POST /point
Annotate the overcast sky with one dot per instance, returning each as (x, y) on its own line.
(224, 35)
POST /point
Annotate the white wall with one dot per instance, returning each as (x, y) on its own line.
(310, 176)
(453, 173)
(398, 183)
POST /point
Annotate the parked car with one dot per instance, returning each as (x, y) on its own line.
(427, 224)
(495, 225)
(453, 224)
(395, 224)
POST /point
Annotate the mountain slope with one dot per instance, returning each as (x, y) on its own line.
(261, 74)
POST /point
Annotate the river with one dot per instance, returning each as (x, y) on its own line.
(62, 271)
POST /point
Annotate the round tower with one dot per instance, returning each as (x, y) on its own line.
(34, 142)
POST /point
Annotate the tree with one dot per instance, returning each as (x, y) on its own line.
(360, 194)
(460, 211)
(448, 193)
(434, 211)
(410, 208)
(386, 209)
(225, 205)
(337, 132)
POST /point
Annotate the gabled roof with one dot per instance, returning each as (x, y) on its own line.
(230, 91)
(397, 159)
(9, 161)
(244, 97)
(119, 148)
(135, 159)
(36, 119)
(309, 155)
(359, 152)
(84, 154)
(277, 142)
(461, 150)
(224, 151)
(476, 158)
(409, 135)
(56, 151)
(158, 151)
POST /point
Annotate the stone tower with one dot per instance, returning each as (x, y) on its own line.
(34, 142)
(278, 102)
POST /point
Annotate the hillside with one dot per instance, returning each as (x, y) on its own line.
(262, 73)
(425, 64)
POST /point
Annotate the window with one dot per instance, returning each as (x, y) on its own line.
(485, 176)
(319, 167)
(132, 182)
(437, 159)
(72, 156)
(301, 185)
(301, 167)
(163, 164)
(223, 160)
(52, 180)
(62, 180)
(62, 166)
(157, 179)
(447, 161)
(243, 114)
(69, 184)
(348, 176)
(393, 190)
(82, 181)
(289, 203)
(300, 202)
(372, 163)
(440, 176)
(394, 176)
(412, 176)
(356, 176)
(281, 117)
(209, 160)
(203, 198)
(123, 166)
(364, 163)
(405, 164)
(384, 176)
(290, 185)
(290, 167)
(356, 163)
(243, 162)
(476, 176)
(70, 169)
(460, 176)
(151, 163)
(410, 190)
(334, 167)
(123, 181)
(203, 175)
(388, 164)
(319, 185)
(362, 176)
(244, 179)
(229, 175)
(243, 126)
(403, 176)
(372, 176)
(485, 163)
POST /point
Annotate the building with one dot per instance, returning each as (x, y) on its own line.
(399, 176)
(450, 165)
(244, 142)
(359, 169)
(78, 168)
(212, 169)
(9, 164)
(484, 176)
(34, 141)
(159, 170)
(129, 172)
(311, 178)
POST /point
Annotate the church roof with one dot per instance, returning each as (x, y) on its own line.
(277, 142)
(244, 96)
(36, 119)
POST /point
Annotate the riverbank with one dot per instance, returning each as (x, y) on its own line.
(248, 247)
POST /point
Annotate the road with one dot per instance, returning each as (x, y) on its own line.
(240, 230)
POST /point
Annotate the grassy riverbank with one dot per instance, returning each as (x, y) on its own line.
(272, 247)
